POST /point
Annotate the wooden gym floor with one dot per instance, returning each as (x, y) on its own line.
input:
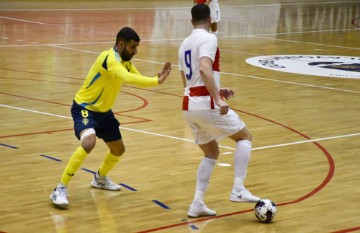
(306, 128)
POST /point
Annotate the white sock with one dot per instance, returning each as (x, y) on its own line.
(241, 161)
(203, 176)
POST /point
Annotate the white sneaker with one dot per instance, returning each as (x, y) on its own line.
(244, 196)
(199, 209)
(59, 197)
(104, 183)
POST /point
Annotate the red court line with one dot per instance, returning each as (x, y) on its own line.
(347, 230)
(141, 120)
(39, 73)
(61, 130)
(30, 98)
(145, 102)
(310, 194)
(38, 80)
(68, 105)
(313, 192)
(34, 133)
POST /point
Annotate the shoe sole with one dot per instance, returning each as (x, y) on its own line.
(61, 206)
(201, 215)
(237, 200)
(102, 187)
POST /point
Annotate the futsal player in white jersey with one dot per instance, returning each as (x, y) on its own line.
(214, 13)
(208, 116)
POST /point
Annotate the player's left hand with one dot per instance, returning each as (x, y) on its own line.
(227, 93)
(164, 73)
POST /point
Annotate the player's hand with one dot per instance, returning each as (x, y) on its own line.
(224, 107)
(164, 73)
(227, 93)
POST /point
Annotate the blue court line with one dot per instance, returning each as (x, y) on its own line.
(87, 170)
(124, 185)
(49, 157)
(13, 147)
(194, 227)
(128, 187)
(161, 204)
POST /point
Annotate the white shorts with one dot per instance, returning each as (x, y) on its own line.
(207, 125)
(215, 11)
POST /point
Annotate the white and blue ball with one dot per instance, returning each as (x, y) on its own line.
(265, 210)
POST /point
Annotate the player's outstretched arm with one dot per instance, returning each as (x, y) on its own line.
(164, 73)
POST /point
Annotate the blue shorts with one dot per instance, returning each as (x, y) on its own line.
(105, 124)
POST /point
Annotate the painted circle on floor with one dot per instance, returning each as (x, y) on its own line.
(317, 65)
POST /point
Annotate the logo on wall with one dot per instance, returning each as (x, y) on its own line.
(327, 66)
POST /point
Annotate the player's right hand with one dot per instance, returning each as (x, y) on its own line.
(164, 73)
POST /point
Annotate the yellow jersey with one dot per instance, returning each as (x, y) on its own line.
(104, 80)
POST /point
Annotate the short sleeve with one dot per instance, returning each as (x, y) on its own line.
(208, 47)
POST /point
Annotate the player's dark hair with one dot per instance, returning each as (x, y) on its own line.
(200, 13)
(126, 34)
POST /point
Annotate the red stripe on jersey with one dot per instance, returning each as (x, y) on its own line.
(199, 91)
(216, 64)
(200, 1)
(185, 103)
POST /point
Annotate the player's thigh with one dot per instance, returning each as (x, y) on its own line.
(243, 134)
(83, 120)
(197, 121)
(226, 125)
(108, 128)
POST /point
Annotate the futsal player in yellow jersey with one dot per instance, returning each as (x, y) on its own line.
(92, 114)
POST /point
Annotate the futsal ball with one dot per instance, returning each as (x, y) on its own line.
(265, 210)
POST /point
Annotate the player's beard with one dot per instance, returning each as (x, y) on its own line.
(125, 55)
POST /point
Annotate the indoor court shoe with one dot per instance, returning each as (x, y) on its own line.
(59, 197)
(243, 196)
(199, 209)
(104, 182)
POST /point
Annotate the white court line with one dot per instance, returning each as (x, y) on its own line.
(294, 83)
(302, 42)
(239, 75)
(34, 111)
(86, 43)
(233, 74)
(21, 20)
(260, 36)
(190, 140)
(307, 141)
(175, 8)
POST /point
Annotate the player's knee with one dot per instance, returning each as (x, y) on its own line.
(249, 136)
(89, 143)
(118, 151)
(243, 134)
(213, 154)
(88, 140)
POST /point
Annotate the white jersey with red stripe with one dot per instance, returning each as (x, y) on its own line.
(199, 44)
